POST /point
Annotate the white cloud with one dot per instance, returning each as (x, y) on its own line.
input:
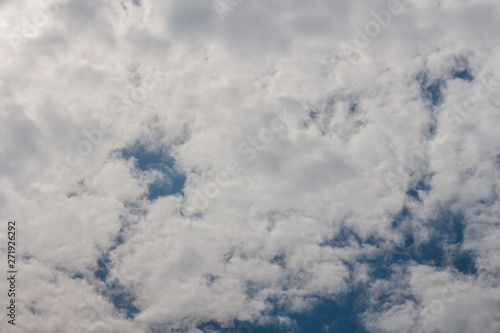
(220, 83)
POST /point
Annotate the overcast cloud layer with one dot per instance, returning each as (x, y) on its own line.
(235, 166)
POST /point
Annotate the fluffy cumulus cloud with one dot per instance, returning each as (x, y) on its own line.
(251, 166)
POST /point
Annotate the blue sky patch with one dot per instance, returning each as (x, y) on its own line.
(462, 69)
(463, 75)
(122, 300)
(431, 90)
(147, 159)
(421, 186)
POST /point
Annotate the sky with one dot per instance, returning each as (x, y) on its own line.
(251, 166)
